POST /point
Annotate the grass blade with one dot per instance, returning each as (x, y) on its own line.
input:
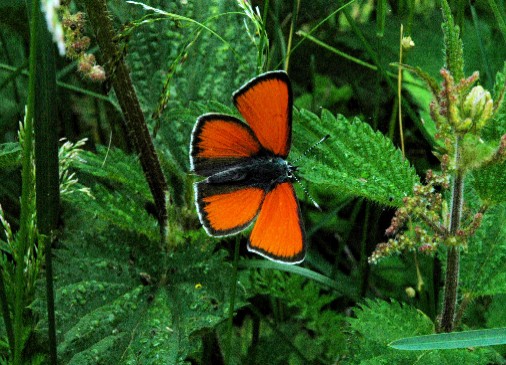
(454, 340)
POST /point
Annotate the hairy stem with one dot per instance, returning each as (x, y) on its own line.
(138, 132)
(453, 259)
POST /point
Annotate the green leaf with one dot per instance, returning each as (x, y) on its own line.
(340, 287)
(475, 152)
(378, 323)
(325, 94)
(455, 340)
(419, 90)
(490, 183)
(120, 192)
(389, 320)
(453, 44)
(483, 267)
(10, 154)
(121, 300)
(355, 160)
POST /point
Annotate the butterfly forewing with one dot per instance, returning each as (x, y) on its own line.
(219, 141)
(266, 104)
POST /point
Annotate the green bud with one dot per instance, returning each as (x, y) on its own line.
(407, 43)
(476, 110)
(410, 292)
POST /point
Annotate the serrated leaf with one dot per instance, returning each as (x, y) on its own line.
(390, 320)
(455, 340)
(116, 167)
(121, 300)
(483, 267)
(10, 154)
(355, 160)
(378, 323)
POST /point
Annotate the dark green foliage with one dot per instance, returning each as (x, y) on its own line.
(490, 183)
(129, 302)
(9, 155)
(490, 180)
(378, 323)
(201, 65)
(308, 305)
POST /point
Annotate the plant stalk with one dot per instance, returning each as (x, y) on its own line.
(447, 321)
(47, 177)
(26, 187)
(231, 307)
(118, 74)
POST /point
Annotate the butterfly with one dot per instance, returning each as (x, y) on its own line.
(246, 172)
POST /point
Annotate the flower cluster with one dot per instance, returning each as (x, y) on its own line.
(461, 108)
(425, 215)
(76, 45)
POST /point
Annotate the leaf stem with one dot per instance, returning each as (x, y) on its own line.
(295, 13)
(453, 258)
(399, 94)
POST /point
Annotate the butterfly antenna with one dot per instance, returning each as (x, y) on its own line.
(297, 179)
(312, 147)
(307, 193)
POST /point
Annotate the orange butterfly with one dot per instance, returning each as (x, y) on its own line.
(247, 175)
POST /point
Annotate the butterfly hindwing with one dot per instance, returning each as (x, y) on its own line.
(227, 209)
(266, 104)
(278, 233)
(219, 141)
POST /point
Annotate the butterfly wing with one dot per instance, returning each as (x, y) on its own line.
(219, 141)
(266, 104)
(278, 233)
(227, 209)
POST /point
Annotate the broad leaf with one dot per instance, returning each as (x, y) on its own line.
(355, 160)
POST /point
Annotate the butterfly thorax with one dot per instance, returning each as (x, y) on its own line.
(264, 172)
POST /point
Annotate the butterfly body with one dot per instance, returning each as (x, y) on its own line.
(247, 176)
(263, 172)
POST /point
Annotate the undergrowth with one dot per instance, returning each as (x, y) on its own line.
(408, 242)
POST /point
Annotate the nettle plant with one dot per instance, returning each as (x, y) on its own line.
(471, 150)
